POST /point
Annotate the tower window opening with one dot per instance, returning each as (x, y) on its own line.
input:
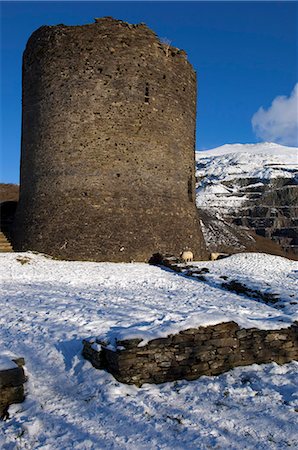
(147, 93)
(190, 190)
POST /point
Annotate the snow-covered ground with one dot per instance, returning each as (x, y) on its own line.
(48, 307)
(222, 169)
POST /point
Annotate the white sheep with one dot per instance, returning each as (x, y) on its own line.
(186, 256)
(216, 256)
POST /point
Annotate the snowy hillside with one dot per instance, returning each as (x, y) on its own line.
(48, 307)
(284, 154)
(254, 186)
(220, 171)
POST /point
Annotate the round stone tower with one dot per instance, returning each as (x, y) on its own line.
(108, 134)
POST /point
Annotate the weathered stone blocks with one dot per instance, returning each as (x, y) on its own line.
(108, 135)
(194, 352)
(11, 386)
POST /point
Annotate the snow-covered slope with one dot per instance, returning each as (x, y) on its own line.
(284, 154)
(235, 162)
(234, 181)
(48, 307)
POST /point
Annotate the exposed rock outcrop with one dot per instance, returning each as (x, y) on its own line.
(255, 187)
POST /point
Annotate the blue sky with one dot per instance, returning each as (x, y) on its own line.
(245, 55)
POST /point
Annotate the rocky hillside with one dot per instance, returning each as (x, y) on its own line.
(254, 186)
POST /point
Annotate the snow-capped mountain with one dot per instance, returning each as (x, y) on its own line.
(253, 185)
(284, 154)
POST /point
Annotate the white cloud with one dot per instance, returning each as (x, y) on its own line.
(279, 123)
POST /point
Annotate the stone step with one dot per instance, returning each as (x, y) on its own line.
(5, 245)
(3, 240)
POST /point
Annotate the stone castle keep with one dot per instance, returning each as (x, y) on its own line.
(108, 135)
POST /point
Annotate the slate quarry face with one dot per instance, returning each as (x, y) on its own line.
(108, 135)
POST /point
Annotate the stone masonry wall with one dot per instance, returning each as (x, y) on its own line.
(108, 135)
(194, 352)
(11, 386)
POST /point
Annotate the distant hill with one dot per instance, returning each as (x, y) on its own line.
(254, 186)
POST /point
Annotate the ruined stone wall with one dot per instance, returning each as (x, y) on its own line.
(194, 352)
(107, 169)
(11, 386)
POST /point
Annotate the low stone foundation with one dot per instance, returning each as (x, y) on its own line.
(11, 386)
(194, 352)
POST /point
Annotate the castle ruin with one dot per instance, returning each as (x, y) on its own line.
(108, 136)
